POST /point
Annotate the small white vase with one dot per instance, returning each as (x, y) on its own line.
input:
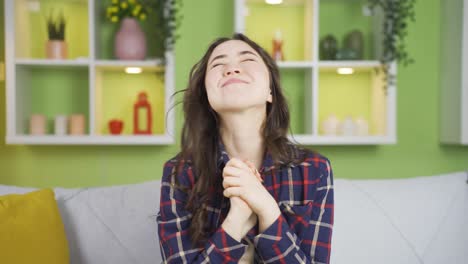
(330, 125)
(362, 127)
(60, 125)
(347, 127)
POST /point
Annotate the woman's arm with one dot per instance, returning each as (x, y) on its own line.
(173, 225)
(278, 243)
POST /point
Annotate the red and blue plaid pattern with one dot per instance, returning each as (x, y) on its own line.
(301, 234)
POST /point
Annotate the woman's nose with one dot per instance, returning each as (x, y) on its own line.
(231, 70)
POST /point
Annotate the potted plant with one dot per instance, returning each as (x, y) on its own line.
(130, 39)
(56, 47)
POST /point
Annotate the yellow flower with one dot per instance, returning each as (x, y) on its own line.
(131, 1)
(135, 12)
(109, 10)
(115, 1)
(115, 9)
(114, 19)
(142, 16)
(124, 5)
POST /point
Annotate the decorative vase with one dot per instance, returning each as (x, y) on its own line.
(346, 54)
(130, 41)
(347, 127)
(354, 40)
(60, 125)
(142, 115)
(56, 49)
(277, 53)
(77, 124)
(362, 126)
(328, 48)
(330, 125)
(37, 124)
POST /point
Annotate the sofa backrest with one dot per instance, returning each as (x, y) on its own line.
(417, 220)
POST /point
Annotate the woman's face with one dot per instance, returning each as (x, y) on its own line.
(236, 78)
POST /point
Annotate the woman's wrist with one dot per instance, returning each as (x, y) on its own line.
(233, 229)
(268, 216)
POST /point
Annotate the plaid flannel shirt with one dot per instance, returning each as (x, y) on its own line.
(301, 234)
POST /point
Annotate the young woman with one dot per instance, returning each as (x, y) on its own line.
(239, 191)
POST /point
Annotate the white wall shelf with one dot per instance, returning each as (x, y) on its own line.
(90, 81)
(315, 89)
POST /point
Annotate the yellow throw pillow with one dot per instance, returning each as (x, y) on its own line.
(31, 229)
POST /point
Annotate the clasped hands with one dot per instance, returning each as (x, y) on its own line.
(250, 200)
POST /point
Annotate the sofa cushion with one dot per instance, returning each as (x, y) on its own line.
(31, 229)
(416, 220)
(115, 224)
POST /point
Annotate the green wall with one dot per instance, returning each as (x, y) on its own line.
(417, 152)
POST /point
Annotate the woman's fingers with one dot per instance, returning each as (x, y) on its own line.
(232, 171)
(235, 162)
(231, 182)
(236, 167)
(254, 169)
(233, 191)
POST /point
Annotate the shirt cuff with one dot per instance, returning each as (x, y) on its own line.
(275, 242)
(225, 248)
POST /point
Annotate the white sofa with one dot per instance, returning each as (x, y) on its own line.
(416, 220)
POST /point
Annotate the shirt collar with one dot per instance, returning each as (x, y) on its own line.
(267, 165)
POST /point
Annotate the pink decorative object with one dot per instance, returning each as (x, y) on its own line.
(130, 41)
(56, 49)
(77, 124)
(37, 124)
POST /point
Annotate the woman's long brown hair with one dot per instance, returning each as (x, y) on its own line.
(200, 137)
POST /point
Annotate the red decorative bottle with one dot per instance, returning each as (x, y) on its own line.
(141, 109)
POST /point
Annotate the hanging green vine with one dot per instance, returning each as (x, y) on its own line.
(168, 18)
(397, 15)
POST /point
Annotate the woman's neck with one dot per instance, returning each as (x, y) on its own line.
(242, 138)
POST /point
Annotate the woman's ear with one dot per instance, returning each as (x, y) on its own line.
(270, 97)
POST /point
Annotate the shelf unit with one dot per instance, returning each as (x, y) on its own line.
(313, 88)
(454, 65)
(90, 81)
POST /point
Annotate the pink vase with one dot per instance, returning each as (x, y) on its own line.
(130, 41)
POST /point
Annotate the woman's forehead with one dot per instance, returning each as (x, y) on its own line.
(232, 47)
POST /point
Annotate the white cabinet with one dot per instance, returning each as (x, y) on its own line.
(88, 82)
(454, 67)
(314, 89)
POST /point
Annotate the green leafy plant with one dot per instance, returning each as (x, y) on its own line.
(120, 9)
(167, 19)
(397, 15)
(56, 26)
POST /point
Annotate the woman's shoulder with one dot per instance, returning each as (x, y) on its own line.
(311, 160)
(179, 167)
(308, 157)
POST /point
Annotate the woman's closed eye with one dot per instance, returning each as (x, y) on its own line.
(216, 65)
(248, 60)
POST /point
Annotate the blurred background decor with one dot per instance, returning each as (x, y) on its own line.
(130, 39)
(166, 17)
(397, 15)
(56, 47)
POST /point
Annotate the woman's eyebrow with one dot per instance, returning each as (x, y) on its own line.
(247, 52)
(224, 56)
